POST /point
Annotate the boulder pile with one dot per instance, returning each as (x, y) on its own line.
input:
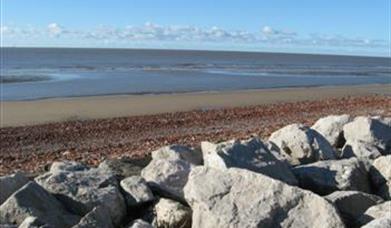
(336, 173)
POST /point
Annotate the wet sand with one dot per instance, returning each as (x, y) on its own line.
(22, 113)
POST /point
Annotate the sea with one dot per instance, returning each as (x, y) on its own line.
(41, 73)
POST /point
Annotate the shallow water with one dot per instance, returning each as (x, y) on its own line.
(36, 73)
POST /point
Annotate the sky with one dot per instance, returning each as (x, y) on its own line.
(347, 27)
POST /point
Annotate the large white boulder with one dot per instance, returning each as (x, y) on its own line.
(136, 191)
(325, 177)
(360, 149)
(370, 131)
(82, 190)
(352, 204)
(302, 144)
(249, 154)
(33, 201)
(381, 176)
(379, 223)
(175, 152)
(10, 184)
(172, 214)
(167, 176)
(241, 198)
(331, 127)
(379, 211)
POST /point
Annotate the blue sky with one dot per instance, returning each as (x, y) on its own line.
(338, 27)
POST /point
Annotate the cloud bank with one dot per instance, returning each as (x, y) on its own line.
(174, 33)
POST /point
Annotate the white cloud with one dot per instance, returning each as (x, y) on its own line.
(174, 33)
(54, 29)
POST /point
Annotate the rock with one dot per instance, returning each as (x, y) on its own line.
(352, 204)
(33, 222)
(241, 198)
(381, 176)
(325, 177)
(98, 217)
(138, 223)
(382, 210)
(136, 191)
(10, 184)
(302, 145)
(81, 191)
(67, 166)
(379, 223)
(172, 214)
(331, 128)
(33, 200)
(251, 154)
(178, 152)
(360, 149)
(370, 131)
(124, 167)
(167, 177)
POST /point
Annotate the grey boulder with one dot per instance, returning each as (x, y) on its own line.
(175, 152)
(98, 217)
(379, 211)
(172, 214)
(302, 144)
(124, 167)
(10, 184)
(325, 177)
(331, 127)
(136, 191)
(81, 191)
(138, 223)
(241, 198)
(352, 204)
(167, 176)
(379, 223)
(370, 131)
(250, 154)
(33, 200)
(381, 176)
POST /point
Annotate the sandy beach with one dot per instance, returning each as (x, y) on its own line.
(21, 113)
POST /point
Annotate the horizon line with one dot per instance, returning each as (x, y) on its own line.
(200, 50)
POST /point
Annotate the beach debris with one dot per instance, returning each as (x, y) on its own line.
(380, 173)
(301, 144)
(33, 200)
(331, 128)
(325, 177)
(241, 198)
(352, 204)
(82, 190)
(136, 191)
(10, 184)
(249, 154)
(173, 214)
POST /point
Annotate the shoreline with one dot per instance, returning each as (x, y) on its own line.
(33, 112)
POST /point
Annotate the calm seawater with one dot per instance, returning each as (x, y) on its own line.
(37, 73)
